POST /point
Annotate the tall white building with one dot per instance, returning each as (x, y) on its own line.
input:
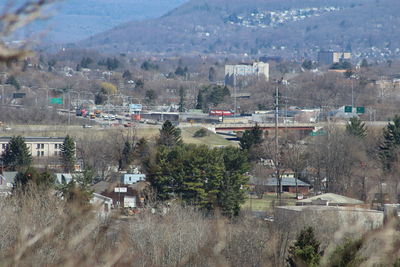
(244, 69)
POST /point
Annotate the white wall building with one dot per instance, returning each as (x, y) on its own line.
(38, 146)
(254, 69)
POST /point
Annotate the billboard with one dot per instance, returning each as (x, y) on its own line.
(135, 107)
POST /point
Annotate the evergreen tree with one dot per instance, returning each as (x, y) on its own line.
(364, 63)
(127, 75)
(68, 154)
(391, 141)
(305, 251)
(142, 148)
(78, 191)
(127, 155)
(251, 137)
(16, 154)
(180, 71)
(212, 74)
(231, 192)
(199, 104)
(307, 64)
(356, 128)
(200, 176)
(42, 181)
(150, 96)
(346, 254)
(13, 81)
(182, 94)
(169, 135)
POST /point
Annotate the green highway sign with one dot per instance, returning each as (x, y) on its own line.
(56, 100)
(360, 110)
(348, 109)
(321, 132)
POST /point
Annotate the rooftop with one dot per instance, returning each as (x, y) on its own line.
(287, 181)
(332, 199)
(34, 139)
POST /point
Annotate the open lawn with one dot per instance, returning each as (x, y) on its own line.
(78, 132)
(267, 203)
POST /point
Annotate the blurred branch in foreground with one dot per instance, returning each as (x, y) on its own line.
(13, 18)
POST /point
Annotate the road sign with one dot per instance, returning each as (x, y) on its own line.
(120, 189)
(321, 132)
(135, 107)
(360, 110)
(19, 95)
(348, 109)
(56, 100)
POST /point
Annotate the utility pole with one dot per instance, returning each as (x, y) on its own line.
(68, 108)
(352, 95)
(278, 176)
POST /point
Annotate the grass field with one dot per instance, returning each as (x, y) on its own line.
(267, 203)
(78, 132)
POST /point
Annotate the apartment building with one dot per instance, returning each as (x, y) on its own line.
(38, 146)
(330, 57)
(245, 69)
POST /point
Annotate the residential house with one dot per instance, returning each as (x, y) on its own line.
(132, 178)
(102, 204)
(127, 196)
(289, 184)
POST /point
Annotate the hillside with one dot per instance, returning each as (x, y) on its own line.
(287, 28)
(74, 20)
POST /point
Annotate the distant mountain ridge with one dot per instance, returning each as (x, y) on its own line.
(74, 20)
(289, 28)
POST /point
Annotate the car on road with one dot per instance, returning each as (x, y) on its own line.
(87, 126)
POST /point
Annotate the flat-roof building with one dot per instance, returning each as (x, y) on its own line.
(330, 57)
(245, 69)
(38, 146)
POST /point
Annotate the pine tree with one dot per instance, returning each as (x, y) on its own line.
(42, 181)
(127, 75)
(78, 191)
(356, 128)
(182, 94)
(305, 251)
(199, 104)
(391, 141)
(68, 154)
(364, 63)
(169, 135)
(127, 155)
(231, 192)
(251, 137)
(16, 155)
(212, 74)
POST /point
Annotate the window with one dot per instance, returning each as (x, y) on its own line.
(38, 146)
(38, 153)
(3, 146)
(55, 146)
(42, 153)
(42, 146)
